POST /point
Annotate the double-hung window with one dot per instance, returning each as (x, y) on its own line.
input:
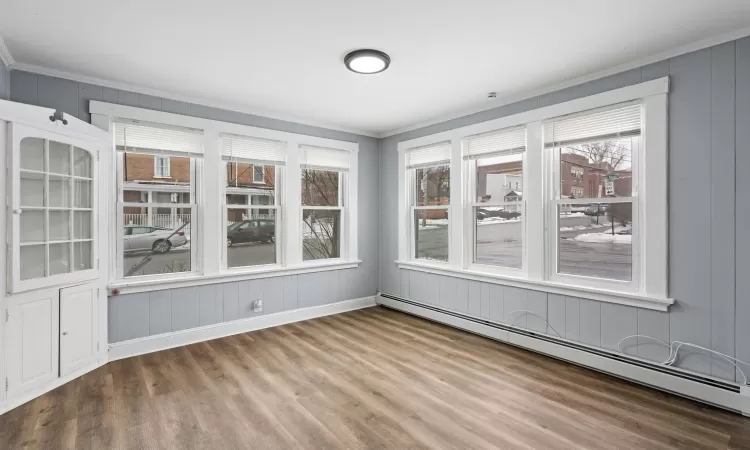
(161, 166)
(323, 190)
(569, 198)
(252, 167)
(495, 170)
(429, 180)
(593, 231)
(157, 226)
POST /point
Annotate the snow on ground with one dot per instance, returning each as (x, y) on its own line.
(586, 227)
(606, 237)
(433, 224)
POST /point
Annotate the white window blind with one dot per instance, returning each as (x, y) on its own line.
(145, 138)
(508, 141)
(323, 158)
(431, 155)
(609, 124)
(243, 148)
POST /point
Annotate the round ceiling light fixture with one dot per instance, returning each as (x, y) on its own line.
(367, 61)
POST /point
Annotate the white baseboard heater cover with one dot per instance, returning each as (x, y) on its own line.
(676, 381)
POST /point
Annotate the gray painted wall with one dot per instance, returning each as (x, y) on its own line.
(138, 315)
(4, 82)
(709, 222)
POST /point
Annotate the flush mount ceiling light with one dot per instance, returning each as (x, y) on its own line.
(367, 61)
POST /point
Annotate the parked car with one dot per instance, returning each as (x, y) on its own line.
(156, 239)
(483, 213)
(254, 230)
(596, 210)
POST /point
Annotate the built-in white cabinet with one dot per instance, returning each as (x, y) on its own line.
(31, 340)
(53, 313)
(77, 327)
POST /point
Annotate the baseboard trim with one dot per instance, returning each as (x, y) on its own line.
(159, 342)
(737, 401)
(15, 402)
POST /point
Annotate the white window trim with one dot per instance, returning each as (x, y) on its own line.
(209, 248)
(157, 173)
(652, 272)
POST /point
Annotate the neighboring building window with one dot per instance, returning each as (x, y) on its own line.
(161, 166)
(258, 174)
(158, 229)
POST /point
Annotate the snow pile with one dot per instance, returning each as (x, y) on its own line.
(606, 237)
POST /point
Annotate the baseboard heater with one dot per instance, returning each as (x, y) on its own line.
(716, 392)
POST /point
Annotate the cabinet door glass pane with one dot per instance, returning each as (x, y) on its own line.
(32, 154)
(59, 225)
(59, 191)
(32, 261)
(82, 225)
(32, 226)
(82, 194)
(32, 189)
(81, 163)
(59, 258)
(81, 256)
(59, 158)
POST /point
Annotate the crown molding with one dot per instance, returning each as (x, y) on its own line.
(39, 70)
(5, 54)
(634, 64)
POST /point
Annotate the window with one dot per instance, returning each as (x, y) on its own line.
(551, 199)
(259, 174)
(250, 231)
(494, 161)
(594, 234)
(161, 166)
(158, 218)
(430, 184)
(322, 184)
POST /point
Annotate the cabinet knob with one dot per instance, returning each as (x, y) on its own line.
(65, 333)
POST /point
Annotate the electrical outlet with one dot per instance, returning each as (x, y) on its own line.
(258, 305)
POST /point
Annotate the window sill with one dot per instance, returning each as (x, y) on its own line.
(135, 286)
(602, 295)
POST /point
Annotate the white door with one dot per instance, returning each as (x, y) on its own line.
(31, 337)
(77, 327)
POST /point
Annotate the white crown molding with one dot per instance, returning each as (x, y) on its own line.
(39, 70)
(5, 54)
(688, 48)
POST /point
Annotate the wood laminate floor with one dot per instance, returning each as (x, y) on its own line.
(372, 378)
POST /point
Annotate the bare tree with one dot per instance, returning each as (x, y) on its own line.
(322, 227)
(610, 152)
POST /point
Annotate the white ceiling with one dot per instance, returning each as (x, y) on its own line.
(285, 57)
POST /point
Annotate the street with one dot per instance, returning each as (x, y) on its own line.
(500, 244)
(178, 260)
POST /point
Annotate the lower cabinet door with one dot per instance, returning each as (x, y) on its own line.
(32, 340)
(77, 327)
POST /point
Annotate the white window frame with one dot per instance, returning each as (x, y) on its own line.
(470, 174)
(161, 170)
(276, 207)
(413, 208)
(209, 251)
(651, 271)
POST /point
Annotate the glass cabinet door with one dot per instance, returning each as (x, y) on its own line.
(54, 212)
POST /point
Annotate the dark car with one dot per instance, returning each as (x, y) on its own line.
(596, 210)
(254, 230)
(483, 213)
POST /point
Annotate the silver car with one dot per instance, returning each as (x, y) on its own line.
(138, 238)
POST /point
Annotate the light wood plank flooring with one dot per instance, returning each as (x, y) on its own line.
(372, 378)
